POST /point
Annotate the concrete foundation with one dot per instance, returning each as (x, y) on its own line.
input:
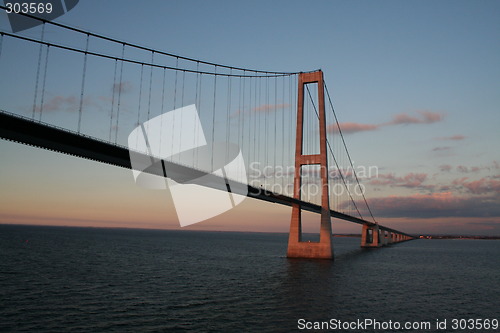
(370, 236)
(373, 236)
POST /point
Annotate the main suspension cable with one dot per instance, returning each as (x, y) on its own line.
(347, 151)
(147, 49)
(334, 159)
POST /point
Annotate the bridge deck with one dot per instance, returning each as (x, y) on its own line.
(26, 131)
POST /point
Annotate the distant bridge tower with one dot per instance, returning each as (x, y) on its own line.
(296, 247)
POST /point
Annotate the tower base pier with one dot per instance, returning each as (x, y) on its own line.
(370, 236)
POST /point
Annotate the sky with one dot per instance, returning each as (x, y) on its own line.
(415, 86)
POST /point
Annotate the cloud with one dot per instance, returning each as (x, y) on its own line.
(443, 204)
(122, 87)
(65, 103)
(262, 108)
(404, 119)
(445, 167)
(466, 169)
(441, 148)
(348, 128)
(237, 113)
(410, 180)
(495, 224)
(453, 137)
(422, 117)
(58, 103)
(480, 186)
(459, 181)
(270, 107)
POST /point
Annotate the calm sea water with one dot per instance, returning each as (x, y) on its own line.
(55, 279)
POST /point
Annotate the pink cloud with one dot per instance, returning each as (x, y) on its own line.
(404, 119)
(481, 186)
(459, 181)
(122, 87)
(431, 117)
(443, 204)
(69, 104)
(348, 128)
(237, 113)
(58, 103)
(445, 167)
(423, 117)
(270, 107)
(441, 148)
(465, 169)
(409, 180)
(462, 168)
(453, 137)
(262, 108)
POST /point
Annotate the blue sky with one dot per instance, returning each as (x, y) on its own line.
(416, 84)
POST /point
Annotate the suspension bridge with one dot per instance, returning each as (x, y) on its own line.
(83, 94)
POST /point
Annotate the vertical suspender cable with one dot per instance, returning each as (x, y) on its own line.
(283, 137)
(266, 141)
(257, 121)
(200, 94)
(175, 103)
(1, 43)
(251, 123)
(250, 116)
(195, 159)
(255, 133)
(140, 102)
(182, 92)
(150, 84)
(162, 109)
(228, 112)
(200, 101)
(83, 84)
(240, 111)
(196, 89)
(175, 84)
(150, 88)
(113, 100)
(182, 102)
(213, 116)
(275, 144)
(241, 116)
(38, 71)
(120, 86)
(44, 80)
